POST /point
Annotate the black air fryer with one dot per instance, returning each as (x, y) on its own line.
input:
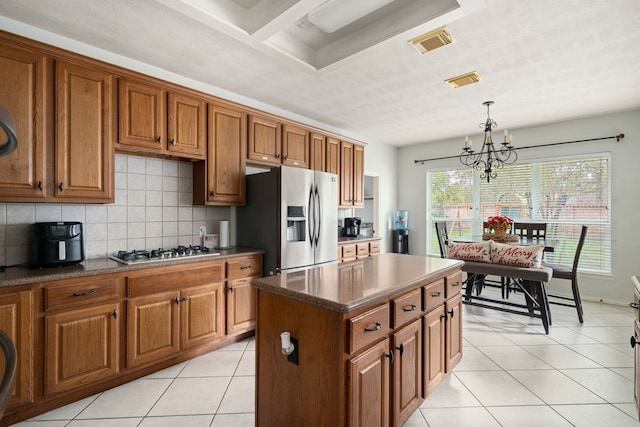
(55, 243)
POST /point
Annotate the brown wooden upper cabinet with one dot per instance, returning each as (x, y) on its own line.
(221, 179)
(155, 120)
(22, 93)
(274, 143)
(351, 175)
(325, 153)
(85, 101)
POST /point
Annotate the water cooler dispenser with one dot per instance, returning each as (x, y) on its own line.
(401, 233)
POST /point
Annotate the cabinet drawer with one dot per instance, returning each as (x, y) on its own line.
(433, 295)
(244, 267)
(362, 249)
(368, 327)
(407, 307)
(374, 247)
(348, 251)
(171, 280)
(81, 293)
(454, 284)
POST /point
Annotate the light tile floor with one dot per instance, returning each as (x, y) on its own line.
(511, 374)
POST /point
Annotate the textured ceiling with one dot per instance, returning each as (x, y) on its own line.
(541, 61)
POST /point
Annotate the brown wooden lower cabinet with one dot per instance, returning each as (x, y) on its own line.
(78, 337)
(394, 352)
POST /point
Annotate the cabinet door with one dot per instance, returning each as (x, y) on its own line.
(22, 93)
(85, 101)
(318, 151)
(333, 156)
(152, 327)
(368, 389)
(226, 156)
(82, 346)
(202, 312)
(407, 371)
(141, 116)
(346, 174)
(454, 332)
(265, 139)
(295, 146)
(434, 333)
(186, 122)
(241, 302)
(16, 319)
(358, 176)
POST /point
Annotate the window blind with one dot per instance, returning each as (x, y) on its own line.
(564, 193)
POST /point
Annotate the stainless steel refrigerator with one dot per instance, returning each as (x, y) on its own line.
(292, 214)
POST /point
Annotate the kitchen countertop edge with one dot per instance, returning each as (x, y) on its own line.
(263, 284)
(17, 276)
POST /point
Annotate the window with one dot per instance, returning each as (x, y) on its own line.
(565, 193)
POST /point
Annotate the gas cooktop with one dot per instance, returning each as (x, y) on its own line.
(158, 255)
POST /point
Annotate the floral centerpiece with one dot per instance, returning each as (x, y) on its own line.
(497, 227)
(499, 224)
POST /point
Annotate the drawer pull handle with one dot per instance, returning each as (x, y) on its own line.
(633, 341)
(185, 299)
(437, 294)
(633, 304)
(456, 284)
(84, 294)
(373, 328)
(412, 307)
(246, 267)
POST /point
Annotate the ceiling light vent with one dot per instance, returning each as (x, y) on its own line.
(433, 40)
(464, 80)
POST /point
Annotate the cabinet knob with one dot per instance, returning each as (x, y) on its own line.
(115, 314)
(177, 300)
(40, 186)
(61, 186)
(451, 313)
(277, 156)
(159, 139)
(389, 356)
(212, 194)
(373, 328)
(633, 341)
(173, 141)
(230, 289)
(286, 157)
(412, 307)
(401, 348)
(185, 299)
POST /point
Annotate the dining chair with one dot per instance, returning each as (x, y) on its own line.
(570, 273)
(530, 230)
(9, 377)
(443, 237)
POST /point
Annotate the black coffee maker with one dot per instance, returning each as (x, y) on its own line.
(351, 227)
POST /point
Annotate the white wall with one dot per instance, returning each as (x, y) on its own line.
(625, 195)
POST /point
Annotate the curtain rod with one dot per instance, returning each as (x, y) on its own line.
(617, 137)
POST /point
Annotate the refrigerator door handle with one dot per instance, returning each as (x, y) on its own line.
(318, 208)
(311, 221)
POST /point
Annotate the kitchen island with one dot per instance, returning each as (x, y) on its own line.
(372, 339)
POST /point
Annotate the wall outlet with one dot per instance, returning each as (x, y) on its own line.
(203, 230)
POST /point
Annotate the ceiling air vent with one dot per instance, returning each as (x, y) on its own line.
(433, 40)
(464, 80)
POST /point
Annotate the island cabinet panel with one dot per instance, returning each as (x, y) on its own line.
(454, 332)
(313, 389)
(407, 371)
(368, 364)
(16, 319)
(369, 397)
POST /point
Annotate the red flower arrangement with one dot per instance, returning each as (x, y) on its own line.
(500, 222)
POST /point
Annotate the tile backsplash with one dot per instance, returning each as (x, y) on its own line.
(153, 208)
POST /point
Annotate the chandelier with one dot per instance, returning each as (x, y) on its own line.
(488, 159)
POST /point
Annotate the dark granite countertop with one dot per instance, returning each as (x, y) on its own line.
(382, 276)
(16, 276)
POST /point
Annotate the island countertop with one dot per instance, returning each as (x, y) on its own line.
(343, 287)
